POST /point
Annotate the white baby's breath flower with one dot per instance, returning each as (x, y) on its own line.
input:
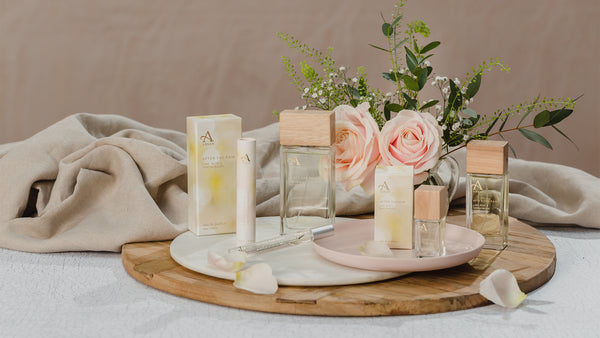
(320, 92)
(314, 95)
(456, 81)
(501, 288)
(401, 71)
(438, 107)
(440, 118)
(433, 83)
(342, 68)
(456, 126)
(427, 63)
(322, 100)
(354, 80)
(445, 90)
(444, 127)
(463, 90)
(388, 94)
(304, 107)
(306, 90)
(296, 108)
(344, 84)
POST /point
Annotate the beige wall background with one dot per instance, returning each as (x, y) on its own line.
(159, 61)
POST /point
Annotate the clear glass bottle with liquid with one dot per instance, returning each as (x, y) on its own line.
(307, 169)
(487, 191)
(431, 207)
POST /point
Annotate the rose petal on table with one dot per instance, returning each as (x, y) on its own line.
(258, 278)
(376, 249)
(501, 288)
(232, 262)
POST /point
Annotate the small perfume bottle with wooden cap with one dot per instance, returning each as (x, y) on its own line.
(307, 169)
(431, 206)
(487, 191)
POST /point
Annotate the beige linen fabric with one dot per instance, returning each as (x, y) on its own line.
(96, 182)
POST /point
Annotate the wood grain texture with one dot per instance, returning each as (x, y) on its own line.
(487, 157)
(530, 256)
(307, 128)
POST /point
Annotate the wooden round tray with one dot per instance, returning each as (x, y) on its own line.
(530, 256)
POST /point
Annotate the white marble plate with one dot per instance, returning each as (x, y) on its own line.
(298, 265)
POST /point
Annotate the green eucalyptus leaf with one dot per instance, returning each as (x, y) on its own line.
(416, 47)
(473, 86)
(410, 83)
(541, 119)
(354, 92)
(410, 102)
(503, 123)
(393, 107)
(565, 136)
(429, 104)
(559, 115)
(411, 60)
(425, 58)
(455, 99)
(510, 147)
(467, 123)
(400, 43)
(535, 137)
(386, 111)
(470, 112)
(429, 47)
(380, 48)
(487, 131)
(422, 79)
(387, 29)
(354, 102)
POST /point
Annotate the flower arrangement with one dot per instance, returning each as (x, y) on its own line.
(400, 127)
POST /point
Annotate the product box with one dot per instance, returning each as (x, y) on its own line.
(394, 206)
(212, 151)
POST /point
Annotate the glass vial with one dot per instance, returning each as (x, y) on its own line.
(307, 169)
(431, 206)
(487, 191)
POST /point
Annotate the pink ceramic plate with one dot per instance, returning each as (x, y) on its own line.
(462, 245)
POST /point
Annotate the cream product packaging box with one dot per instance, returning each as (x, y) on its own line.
(212, 152)
(394, 206)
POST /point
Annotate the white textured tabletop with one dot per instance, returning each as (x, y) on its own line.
(90, 294)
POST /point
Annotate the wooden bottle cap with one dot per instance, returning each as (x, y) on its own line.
(307, 128)
(487, 157)
(431, 202)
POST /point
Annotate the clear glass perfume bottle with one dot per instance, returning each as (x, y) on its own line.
(431, 206)
(487, 191)
(307, 169)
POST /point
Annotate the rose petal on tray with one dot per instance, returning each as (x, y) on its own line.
(258, 278)
(501, 288)
(232, 262)
(376, 249)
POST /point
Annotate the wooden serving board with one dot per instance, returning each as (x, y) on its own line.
(530, 256)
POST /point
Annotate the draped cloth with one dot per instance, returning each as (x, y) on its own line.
(96, 182)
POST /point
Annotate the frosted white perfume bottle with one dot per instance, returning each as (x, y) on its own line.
(307, 169)
(431, 207)
(487, 191)
(246, 191)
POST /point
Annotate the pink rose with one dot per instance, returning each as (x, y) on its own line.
(357, 146)
(414, 139)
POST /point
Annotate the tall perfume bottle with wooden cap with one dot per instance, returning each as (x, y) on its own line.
(431, 206)
(487, 191)
(307, 169)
